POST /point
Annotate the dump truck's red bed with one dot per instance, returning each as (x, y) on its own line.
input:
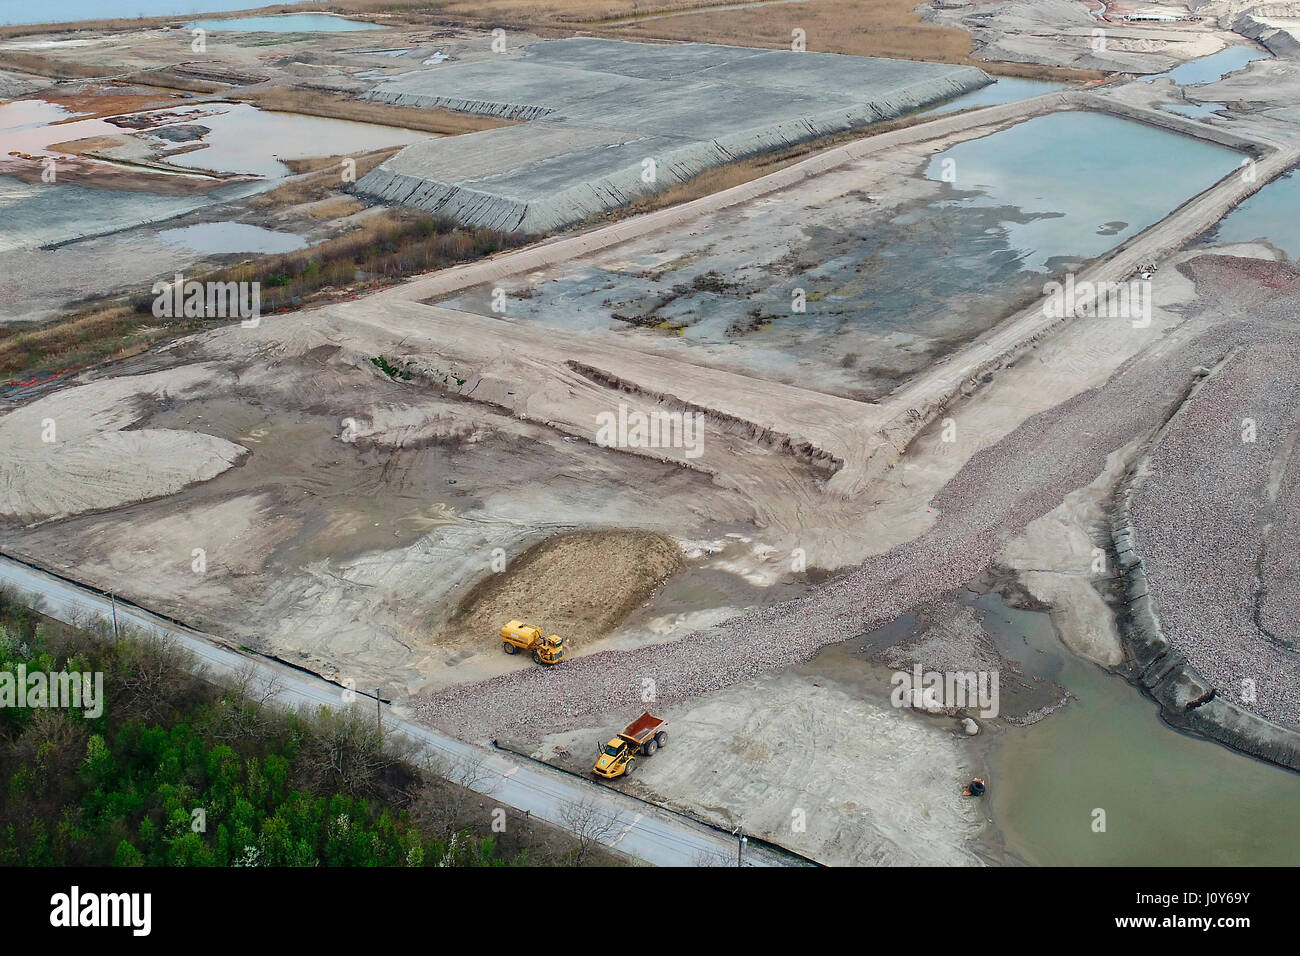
(642, 729)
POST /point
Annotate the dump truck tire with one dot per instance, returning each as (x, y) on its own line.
(661, 739)
(650, 747)
(537, 657)
(631, 765)
(507, 647)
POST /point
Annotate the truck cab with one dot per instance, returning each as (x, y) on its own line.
(550, 651)
(615, 759)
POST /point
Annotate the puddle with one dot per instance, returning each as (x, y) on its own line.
(1006, 89)
(233, 138)
(66, 11)
(1268, 215)
(1195, 110)
(1028, 684)
(1081, 181)
(216, 238)
(1212, 68)
(243, 139)
(287, 23)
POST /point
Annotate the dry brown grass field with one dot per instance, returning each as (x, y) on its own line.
(889, 28)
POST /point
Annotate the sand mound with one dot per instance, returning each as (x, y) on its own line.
(68, 453)
(577, 585)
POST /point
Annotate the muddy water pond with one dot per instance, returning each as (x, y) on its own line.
(286, 23)
(1169, 799)
(1269, 215)
(1079, 182)
(244, 139)
(887, 289)
(66, 11)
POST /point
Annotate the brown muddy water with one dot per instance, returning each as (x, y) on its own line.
(232, 139)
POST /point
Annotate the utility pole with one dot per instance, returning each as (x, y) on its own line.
(113, 603)
(741, 840)
(379, 712)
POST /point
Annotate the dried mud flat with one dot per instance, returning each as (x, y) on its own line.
(858, 244)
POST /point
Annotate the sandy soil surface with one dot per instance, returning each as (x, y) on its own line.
(362, 508)
(814, 758)
(71, 453)
(1062, 33)
(580, 585)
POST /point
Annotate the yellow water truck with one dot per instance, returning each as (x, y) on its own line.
(517, 636)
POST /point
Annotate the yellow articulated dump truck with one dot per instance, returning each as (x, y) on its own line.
(518, 636)
(644, 735)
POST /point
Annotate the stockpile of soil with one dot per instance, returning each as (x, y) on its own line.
(578, 585)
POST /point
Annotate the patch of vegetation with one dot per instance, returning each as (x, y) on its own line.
(758, 321)
(392, 371)
(177, 771)
(385, 249)
(447, 377)
(390, 246)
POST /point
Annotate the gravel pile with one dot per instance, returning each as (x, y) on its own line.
(952, 641)
(1206, 527)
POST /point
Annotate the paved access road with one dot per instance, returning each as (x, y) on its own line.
(639, 830)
